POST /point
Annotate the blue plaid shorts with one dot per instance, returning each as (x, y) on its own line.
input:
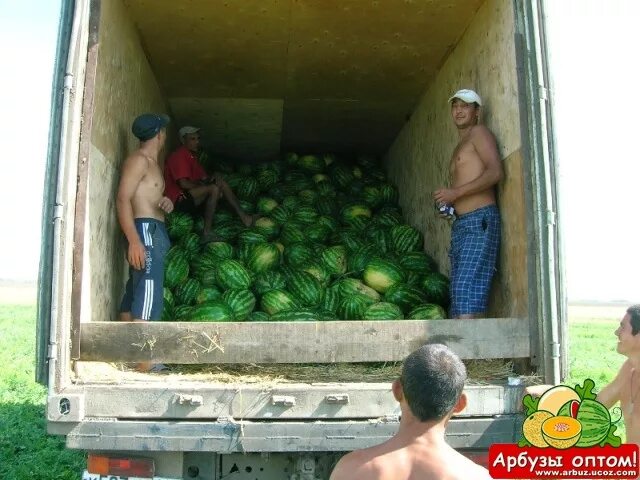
(475, 239)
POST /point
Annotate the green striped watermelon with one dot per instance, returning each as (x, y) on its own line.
(300, 315)
(436, 288)
(427, 311)
(305, 214)
(381, 274)
(176, 271)
(167, 297)
(227, 231)
(241, 302)
(168, 314)
(334, 259)
(306, 288)
(266, 178)
(248, 188)
(271, 280)
(356, 211)
(233, 275)
(208, 278)
(308, 196)
(331, 299)
(216, 311)
(182, 312)
(353, 286)
(208, 294)
(320, 177)
(357, 261)
(178, 224)
(405, 296)
(329, 222)
(187, 292)
(311, 163)
(275, 301)
(220, 250)
(418, 262)
(266, 205)
(298, 254)
(263, 256)
(405, 239)
(318, 232)
(389, 194)
(258, 316)
(342, 175)
(280, 214)
(267, 227)
(387, 219)
(383, 311)
(292, 233)
(190, 243)
(317, 271)
(353, 308)
(371, 195)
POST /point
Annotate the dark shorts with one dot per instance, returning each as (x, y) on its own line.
(475, 239)
(143, 295)
(186, 204)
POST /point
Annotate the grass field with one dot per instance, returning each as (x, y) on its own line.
(27, 453)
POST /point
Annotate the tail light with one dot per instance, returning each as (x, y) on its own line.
(118, 466)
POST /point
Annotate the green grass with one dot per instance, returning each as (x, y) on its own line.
(27, 452)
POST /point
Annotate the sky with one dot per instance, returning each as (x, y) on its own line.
(595, 80)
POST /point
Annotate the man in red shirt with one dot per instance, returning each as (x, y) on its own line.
(190, 188)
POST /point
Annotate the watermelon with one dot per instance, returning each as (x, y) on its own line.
(208, 278)
(418, 262)
(353, 308)
(305, 214)
(317, 271)
(258, 316)
(306, 288)
(248, 188)
(233, 275)
(178, 224)
(263, 256)
(266, 179)
(311, 163)
(220, 250)
(271, 280)
(245, 169)
(275, 301)
(352, 213)
(182, 312)
(190, 243)
(223, 215)
(318, 232)
(334, 259)
(383, 311)
(329, 222)
(371, 196)
(326, 190)
(427, 311)
(436, 288)
(266, 205)
(292, 233)
(298, 254)
(208, 294)
(320, 177)
(280, 214)
(405, 239)
(405, 296)
(291, 158)
(351, 286)
(176, 271)
(331, 299)
(247, 206)
(389, 194)
(215, 311)
(357, 261)
(381, 274)
(595, 420)
(299, 315)
(387, 219)
(241, 302)
(267, 227)
(187, 292)
(167, 297)
(307, 196)
(227, 231)
(342, 175)
(168, 314)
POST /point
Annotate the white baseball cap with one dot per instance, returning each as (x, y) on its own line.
(468, 96)
(186, 130)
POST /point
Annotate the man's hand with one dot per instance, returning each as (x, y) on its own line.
(445, 195)
(136, 255)
(166, 205)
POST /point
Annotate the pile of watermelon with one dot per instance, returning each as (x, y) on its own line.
(330, 245)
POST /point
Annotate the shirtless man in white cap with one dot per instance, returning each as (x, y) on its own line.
(475, 170)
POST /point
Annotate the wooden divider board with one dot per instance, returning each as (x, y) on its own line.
(299, 342)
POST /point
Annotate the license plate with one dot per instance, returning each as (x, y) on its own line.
(96, 476)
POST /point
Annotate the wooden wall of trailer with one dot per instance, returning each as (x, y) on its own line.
(484, 59)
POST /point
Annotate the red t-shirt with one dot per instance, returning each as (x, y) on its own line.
(180, 164)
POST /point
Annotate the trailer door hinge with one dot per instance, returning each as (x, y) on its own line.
(58, 211)
(551, 217)
(543, 92)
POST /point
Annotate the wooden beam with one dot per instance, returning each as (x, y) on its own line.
(299, 342)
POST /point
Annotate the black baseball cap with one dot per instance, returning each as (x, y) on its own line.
(147, 125)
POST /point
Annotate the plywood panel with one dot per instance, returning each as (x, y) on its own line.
(216, 48)
(234, 127)
(418, 161)
(314, 342)
(125, 87)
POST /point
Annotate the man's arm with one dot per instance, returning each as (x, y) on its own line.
(134, 169)
(485, 144)
(610, 394)
(186, 184)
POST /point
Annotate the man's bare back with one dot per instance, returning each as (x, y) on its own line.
(417, 458)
